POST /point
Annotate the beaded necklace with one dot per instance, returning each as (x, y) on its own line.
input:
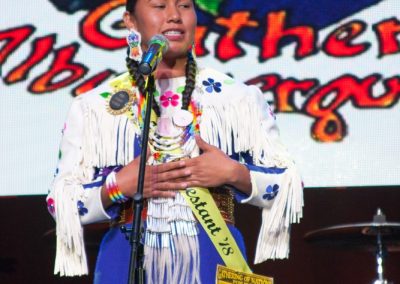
(171, 231)
(163, 148)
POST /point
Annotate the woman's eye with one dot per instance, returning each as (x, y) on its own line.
(186, 5)
(161, 6)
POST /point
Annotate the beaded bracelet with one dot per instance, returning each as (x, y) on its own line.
(113, 191)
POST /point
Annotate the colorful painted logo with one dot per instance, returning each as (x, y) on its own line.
(268, 27)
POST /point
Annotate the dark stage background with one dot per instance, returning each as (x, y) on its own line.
(27, 249)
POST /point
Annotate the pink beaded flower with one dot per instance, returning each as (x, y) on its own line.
(169, 98)
(50, 205)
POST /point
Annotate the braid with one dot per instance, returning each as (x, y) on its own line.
(130, 5)
(191, 70)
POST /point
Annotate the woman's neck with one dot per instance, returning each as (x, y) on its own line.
(171, 68)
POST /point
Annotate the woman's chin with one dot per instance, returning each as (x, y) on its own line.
(174, 53)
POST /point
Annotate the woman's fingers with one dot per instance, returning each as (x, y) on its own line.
(170, 185)
(166, 167)
(164, 179)
(160, 193)
(171, 175)
(164, 189)
(169, 172)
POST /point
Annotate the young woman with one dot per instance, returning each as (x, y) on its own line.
(196, 110)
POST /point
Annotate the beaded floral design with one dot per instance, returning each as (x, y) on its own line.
(169, 98)
(212, 86)
(271, 192)
(81, 208)
(56, 172)
(50, 206)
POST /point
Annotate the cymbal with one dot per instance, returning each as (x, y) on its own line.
(358, 236)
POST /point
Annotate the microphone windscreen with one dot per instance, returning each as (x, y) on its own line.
(161, 40)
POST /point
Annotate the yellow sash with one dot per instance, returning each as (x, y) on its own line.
(207, 213)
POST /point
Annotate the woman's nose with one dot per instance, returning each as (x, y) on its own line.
(173, 14)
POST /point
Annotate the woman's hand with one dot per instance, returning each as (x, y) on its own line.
(211, 169)
(160, 180)
(214, 168)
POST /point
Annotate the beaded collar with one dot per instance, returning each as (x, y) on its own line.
(181, 143)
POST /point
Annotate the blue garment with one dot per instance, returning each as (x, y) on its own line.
(113, 260)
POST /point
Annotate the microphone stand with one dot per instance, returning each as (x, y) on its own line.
(136, 271)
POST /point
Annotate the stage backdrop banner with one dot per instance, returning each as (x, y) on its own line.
(330, 70)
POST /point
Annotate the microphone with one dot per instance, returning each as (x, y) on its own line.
(158, 45)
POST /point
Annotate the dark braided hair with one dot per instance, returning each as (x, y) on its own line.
(130, 5)
(191, 71)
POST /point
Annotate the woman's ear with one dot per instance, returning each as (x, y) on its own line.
(129, 21)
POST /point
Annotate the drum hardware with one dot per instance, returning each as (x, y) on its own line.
(379, 235)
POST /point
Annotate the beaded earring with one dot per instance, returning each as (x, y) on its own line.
(134, 40)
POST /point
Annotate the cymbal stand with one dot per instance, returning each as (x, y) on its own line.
(381, 249)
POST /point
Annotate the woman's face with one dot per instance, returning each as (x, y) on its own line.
(175, 19)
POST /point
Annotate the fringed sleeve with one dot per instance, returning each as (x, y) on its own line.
(93, 139)
(70, 204)
(240, 120)
(276, 185)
